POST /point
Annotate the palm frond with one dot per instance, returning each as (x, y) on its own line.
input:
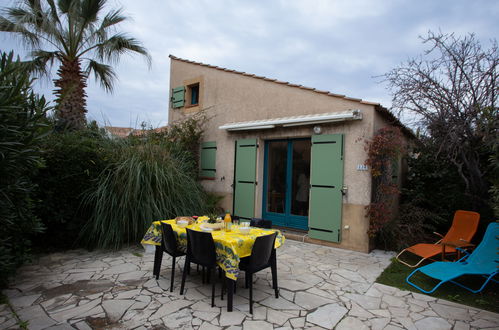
(53, 11)
(65, 5)
(112, 18)
(89, 9)
(28, 37)
(119, 44)
(42, 60)
(103, 73)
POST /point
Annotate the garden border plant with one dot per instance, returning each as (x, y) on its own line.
(22, 124)
(383, 151)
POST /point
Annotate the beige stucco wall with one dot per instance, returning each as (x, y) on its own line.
(229, 97)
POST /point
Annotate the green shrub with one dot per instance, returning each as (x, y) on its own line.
(148, 181)
(433, 191)
(73, 162)
(22, 117)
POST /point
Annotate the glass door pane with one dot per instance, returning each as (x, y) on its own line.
(276, 180)
(300, 177)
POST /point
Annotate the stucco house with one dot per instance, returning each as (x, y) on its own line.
(283, 152)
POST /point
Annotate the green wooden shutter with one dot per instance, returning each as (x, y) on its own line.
(178, 97)
(326, 181)
(245, 178)
(208, 159)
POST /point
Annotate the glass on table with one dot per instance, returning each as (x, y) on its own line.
(245, 223)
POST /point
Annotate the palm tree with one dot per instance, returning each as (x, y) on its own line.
(71, 33)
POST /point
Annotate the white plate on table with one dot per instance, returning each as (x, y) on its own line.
(203, 228)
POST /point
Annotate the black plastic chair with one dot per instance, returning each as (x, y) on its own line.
(201, 251)
(261, 223)
(169, 245)
(262, 256)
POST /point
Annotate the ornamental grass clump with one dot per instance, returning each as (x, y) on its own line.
(147, 182)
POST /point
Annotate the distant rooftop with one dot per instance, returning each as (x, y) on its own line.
(123, 132)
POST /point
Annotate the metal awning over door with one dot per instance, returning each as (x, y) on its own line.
(320, 118)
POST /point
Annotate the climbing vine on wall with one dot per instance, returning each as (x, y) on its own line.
(383, 151)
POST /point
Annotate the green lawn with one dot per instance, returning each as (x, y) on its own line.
(488, 299)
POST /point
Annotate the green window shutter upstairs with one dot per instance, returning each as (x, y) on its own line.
(178, 97)
(245, 178)
(326, 181)
(208, 159)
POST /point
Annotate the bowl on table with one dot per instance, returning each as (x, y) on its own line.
(182, 223)
(244, 230)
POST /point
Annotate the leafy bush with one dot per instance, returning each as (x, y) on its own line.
(74, 160)
(148, 181)
(433, 191)
(22, 116)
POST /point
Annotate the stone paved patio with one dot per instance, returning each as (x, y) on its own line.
(321, 287)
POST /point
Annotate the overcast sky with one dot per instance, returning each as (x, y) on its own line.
(340, 46)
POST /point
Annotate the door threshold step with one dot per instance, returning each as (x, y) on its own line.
(293, 234)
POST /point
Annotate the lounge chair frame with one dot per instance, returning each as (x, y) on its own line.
(442, 240)
(493, 227)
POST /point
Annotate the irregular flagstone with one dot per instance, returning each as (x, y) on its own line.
(482, 323)
(232, 318)
(293, 285)
(257, 325)
(178, 320)
(208, 326)
(373, 292)
(310, 301)
(206, 316)
(76, 311)
(365, 302)
(394, 301)
(63, 326)
(432, 323)
(259, 313)
(24, 301)
(36, 317)
(381, 312)
(298, 322)
(327, 316)
(349, 323)
(358, 311)
(120, 269)
(461, 326)
(321, 287)
(278, 317)
(279, 304)
(487, 315)
(449, 312)
(379, 323)
(80, 288)
(406, 322)
(116, 308)
(171, 307)
(132, 275)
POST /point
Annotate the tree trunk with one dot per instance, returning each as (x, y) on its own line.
(71, 96)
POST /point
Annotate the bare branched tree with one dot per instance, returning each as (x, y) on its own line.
(452, 92)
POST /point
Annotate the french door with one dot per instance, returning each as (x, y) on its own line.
(287, 182)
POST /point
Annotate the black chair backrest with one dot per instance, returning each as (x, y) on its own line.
(262, 250)
(261, 223)
(201, 248)
(169, 241)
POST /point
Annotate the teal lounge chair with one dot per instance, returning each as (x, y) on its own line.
(484, 261)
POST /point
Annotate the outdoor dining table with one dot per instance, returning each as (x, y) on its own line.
(230, 247)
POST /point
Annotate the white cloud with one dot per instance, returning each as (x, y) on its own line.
(337, 45)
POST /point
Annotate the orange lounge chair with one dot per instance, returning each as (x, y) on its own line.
(461, 232)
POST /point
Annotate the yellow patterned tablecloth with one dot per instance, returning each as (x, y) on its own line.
(230, 246)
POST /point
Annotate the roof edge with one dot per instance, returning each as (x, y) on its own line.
(377, 106)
